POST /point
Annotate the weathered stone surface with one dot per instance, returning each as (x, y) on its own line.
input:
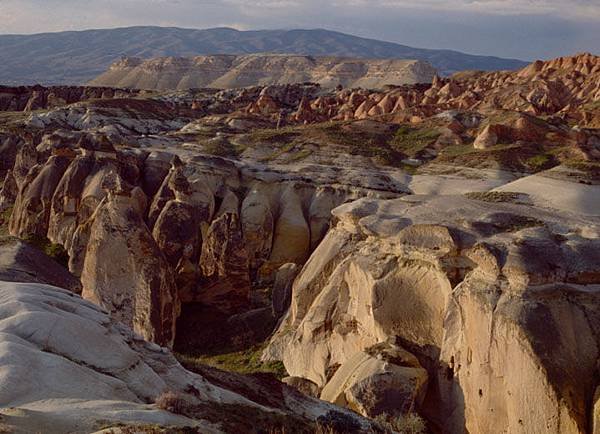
(33, 204)
(291, 238)
(21, 262)
(225, 265)
(384, 379)
(282, 288)
(500, 314)
(69, 367)
(136, 285)
(303, 385)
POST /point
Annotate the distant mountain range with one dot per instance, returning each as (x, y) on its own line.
(76, 57)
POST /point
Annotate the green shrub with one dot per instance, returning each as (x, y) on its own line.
(243, 362)
(55, 251)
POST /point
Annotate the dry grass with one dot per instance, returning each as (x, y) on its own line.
(172, 402)
(410, 423)
(495, 196)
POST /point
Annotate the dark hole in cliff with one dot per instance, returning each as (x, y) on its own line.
(480, 393)
(196, 328)
(450, 369)
(206, 330)
(331, 370)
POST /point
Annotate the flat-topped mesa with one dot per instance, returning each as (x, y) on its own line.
(229, 71)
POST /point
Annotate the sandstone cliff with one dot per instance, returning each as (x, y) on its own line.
(499, 302)
(223, 72)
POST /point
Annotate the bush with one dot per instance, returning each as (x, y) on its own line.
(55, 251)
(173, 403)
(410, 423)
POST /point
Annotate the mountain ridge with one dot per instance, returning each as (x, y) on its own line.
(74, 57)
(233, 71)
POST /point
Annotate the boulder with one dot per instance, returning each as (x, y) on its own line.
(383, 379)
(487, 138)
(303, 385)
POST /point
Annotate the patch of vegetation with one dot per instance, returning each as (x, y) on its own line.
(288, 147)
(4, 219)
(539, 162)
(55, 251)
(530, 158)
(300, 155)
(221, 148)
(590, 168)
(494, 196)
(410, 423)
(273, 135)
(123, 428)
(411, 141)
(243, 362)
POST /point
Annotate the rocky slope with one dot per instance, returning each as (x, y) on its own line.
(77, 57)
(225, 72)
(28, 98)
(463, 238)
(69, 367)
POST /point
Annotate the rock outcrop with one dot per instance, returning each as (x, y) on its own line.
(67, 366)
(146, 231)
(28, 98)
(497, 301)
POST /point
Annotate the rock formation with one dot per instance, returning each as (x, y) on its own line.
(428, 248)
(227, 71)
(70, 367)
(498, 302)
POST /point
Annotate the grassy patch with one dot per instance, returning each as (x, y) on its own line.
(288, 147)
(300, 155)
(590, 168)
(273, 135)
(243, 362)
(55, 251)
(411, 141)
(4, 219)
(530, 158)
(144, 428)
(222, 148)
(539, 162)
(494, 196)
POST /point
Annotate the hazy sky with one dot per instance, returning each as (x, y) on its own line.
(526, 29)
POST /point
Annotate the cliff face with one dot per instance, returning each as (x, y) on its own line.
(224, 72)
(498, 301)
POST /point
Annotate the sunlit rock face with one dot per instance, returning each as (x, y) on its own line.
(498, 302)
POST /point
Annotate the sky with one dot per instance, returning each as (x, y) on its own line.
(524, 29)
